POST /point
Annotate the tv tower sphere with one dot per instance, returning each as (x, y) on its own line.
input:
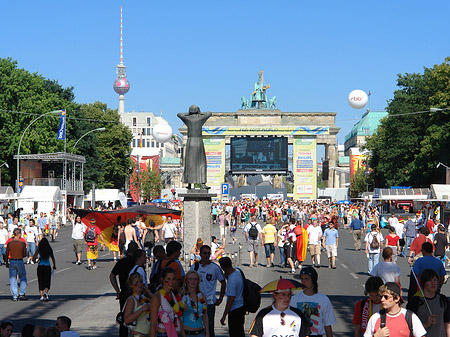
(121, 85)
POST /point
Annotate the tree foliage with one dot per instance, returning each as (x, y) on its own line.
(359, 184)
(24, 96)
(406, 149)
(150, 184)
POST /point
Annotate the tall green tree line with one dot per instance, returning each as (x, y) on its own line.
(25, 95)
(406, 149)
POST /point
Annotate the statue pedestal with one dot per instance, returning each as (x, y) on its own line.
(196, 217)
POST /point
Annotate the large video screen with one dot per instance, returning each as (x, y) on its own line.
(260, 154)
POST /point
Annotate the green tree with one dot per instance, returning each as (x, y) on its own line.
(150, 184)
(359, 184)
(406, 148)
(109, 160)
(24, 96)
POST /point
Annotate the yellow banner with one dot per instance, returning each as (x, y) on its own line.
(277, 130)
(215, 162)
(304, 167)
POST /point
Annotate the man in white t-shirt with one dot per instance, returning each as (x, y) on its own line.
(387, 270)
(314, 241)
(169, 231)
(315, 306)
(374, 245)
(3, 238)
(32, 234)
(254, 239)
(210, 273)
(78, 230)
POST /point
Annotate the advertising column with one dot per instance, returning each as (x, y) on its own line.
(304, 166)
(215, 163)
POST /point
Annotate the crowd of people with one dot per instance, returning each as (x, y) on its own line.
(169, 301)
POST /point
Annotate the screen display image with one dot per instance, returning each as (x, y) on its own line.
(260, 154)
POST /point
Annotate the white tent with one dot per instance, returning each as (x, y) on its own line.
(40, 199)
(441, 191)
(6, 194)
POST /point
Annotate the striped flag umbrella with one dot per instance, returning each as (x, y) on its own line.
(281, 284)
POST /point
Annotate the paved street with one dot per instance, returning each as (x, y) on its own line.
(88, 298)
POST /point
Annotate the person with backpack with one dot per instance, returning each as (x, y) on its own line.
(432, 309)
(393, 320)
(254, 239)
(173, 251)
(315, 306)
(374, 246)
(234, 308)
(365, 308)
(139, 267)
(210, 273)
(90, 236)
(122, 269)
(150, 237)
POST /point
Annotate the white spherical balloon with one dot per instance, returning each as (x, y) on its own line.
(357, 99)
(162, 132)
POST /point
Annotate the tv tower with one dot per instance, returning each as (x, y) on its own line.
(121, 84)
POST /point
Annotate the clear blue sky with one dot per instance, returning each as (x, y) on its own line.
(178, 53)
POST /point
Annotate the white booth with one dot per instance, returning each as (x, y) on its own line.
(36, 199)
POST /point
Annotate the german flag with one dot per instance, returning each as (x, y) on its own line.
(105, 220)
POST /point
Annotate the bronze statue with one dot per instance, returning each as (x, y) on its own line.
(195, 158)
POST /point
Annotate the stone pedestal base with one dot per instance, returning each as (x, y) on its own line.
(196, 217)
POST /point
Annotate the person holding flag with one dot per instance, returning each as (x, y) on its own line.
(302, 242)
(430, 306)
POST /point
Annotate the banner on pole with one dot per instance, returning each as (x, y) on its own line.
(62, 126)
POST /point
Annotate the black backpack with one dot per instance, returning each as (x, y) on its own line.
(155, 280)
(408, 317)
(150, 236)
(252, 296)
(253, 232)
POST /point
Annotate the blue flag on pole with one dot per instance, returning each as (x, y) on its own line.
(62, 126)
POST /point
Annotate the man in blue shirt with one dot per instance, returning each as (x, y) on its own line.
(235, 299)
(355, 228)
(428, 261)
(330, 241)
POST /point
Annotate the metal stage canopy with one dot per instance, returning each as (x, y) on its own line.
(52, 157)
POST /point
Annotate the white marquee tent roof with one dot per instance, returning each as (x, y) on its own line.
(41, 193)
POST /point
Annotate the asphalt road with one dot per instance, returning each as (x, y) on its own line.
(89, 300)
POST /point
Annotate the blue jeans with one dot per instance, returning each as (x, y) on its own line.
(374, 258)
(408, 241)
(282, 256)
(31, 248)
(2, 253)
(17, 267)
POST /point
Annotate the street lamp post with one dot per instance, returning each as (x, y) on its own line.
(7, 166)
(447, 172)
(98, 129)
(20, 142)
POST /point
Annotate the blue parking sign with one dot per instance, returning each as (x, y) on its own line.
(225, 189)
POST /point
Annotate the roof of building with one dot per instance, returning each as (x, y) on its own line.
(367, 125)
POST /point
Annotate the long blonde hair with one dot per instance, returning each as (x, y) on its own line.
(185, 288)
